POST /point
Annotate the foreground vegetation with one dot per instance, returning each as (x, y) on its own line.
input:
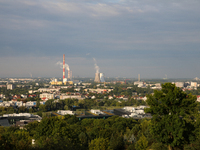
(175, 125)
(114, 133)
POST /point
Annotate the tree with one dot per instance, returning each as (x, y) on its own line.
(21, 140)
(99, 144)
(37, 103)
(43, 108)
(173, 114)
(31, 110)
(142, 143)
(50, 105)
(117, 142)
(22, 109)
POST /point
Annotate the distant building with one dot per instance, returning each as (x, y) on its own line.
(2, 86)
(19, 104)
(48, 89)
(97, 112)
(140, 84)
(56, 82)
(79, 97)
(10, 86)
(179, 84)
(135, 112)
(30, 103)
(86, 84)
(193, 84)
(99, 90)
(19, 120)
(47, 96)
(65, 112)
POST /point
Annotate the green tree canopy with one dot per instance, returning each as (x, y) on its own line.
(173, 113)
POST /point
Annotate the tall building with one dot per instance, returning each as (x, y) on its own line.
(139, 77)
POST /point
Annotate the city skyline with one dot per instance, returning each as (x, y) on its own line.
(126, 38)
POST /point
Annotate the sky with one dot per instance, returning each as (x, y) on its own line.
(124, 38)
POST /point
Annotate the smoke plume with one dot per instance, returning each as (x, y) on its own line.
(61, 65)
(95, 66)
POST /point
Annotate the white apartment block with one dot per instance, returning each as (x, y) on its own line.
(65, 112)
(47, 96)
(30, 103)
(97, 112)
(71, 97)
(48, 89)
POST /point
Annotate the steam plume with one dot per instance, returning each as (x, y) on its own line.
(61, 65)
(95, 66)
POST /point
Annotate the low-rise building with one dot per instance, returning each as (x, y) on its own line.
(30, 103)
(2, 86)
(137, 112)
(79, 97)
(97, 112)
(19, 104)
(98, 90)
(47, 96)
(179, 84)
(20, 119)
(193, 84)
(65, 112)
(48, 90)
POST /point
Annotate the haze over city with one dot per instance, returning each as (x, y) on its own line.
(122, 37)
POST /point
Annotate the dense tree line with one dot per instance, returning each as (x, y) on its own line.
(22, 109)
(67, 132)
(15, 91)
(121, 89)
(193, 92)
(87, 104)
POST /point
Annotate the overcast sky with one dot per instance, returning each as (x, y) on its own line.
(152, 38)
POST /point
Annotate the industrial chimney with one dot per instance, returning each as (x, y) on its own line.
(139, 77)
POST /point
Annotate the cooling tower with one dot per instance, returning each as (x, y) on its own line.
(97, 77)
(63, 67)
(102, 77)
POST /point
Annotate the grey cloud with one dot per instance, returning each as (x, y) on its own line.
(110, 30)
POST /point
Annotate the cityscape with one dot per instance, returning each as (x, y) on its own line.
(99, 75)
(29, 101)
